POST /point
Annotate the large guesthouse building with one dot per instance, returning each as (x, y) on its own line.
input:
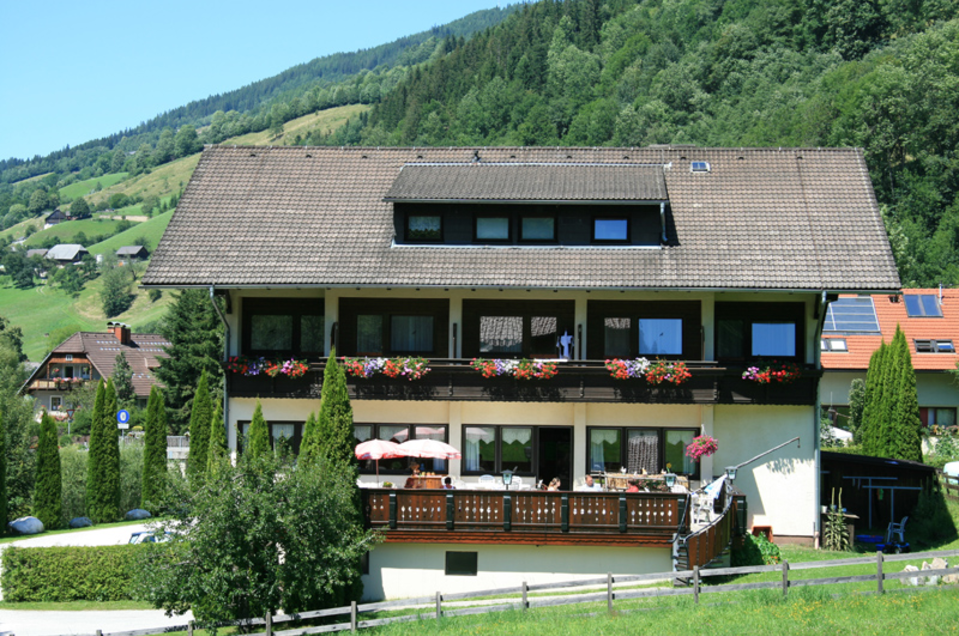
(715, 266)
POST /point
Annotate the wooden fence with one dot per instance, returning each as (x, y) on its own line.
(609, 595)
(950, 486)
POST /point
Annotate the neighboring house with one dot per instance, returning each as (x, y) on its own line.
(66, 253)
(856, 325)
(722, 258)
(55, 218)
(41, 252)
(86, 356)
(132, 253)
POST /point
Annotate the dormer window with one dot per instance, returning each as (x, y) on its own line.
(424, 228)
(492, 228)
(611, 230)
(538, 228)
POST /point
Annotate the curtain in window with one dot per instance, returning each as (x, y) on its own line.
(479, 448)
(543, 332)
(616, 337)
(411, 334)
(676, 459)
(604, 449)
(643, 452)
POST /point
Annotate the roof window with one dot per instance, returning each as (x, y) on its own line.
(935, 346)
(699, 166)
(833, 345)
(923, 306)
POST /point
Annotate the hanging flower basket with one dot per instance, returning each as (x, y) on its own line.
(701, 446)
(627, 369)
(775, 373)
(665, 371)
(409, 368)
(524, 369)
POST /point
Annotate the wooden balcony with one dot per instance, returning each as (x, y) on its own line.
(579, 381)
(526, 517)
(56, 384)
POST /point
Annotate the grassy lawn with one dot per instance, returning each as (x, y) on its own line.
(77, 606)
(65, 232)
(47, 533)
(84, 188)
(19, 230)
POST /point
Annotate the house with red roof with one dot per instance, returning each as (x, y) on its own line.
(856, 325)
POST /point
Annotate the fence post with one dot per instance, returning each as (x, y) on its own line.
(189, 629)
(99, 632)
(269, 624)
(696, 584)
(785, 579)
(439, 608)
(879, 570)
(352, 616)
(609, 592)
(525, 600)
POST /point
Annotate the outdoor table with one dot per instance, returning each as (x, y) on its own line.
(620, 481)
(427, 481)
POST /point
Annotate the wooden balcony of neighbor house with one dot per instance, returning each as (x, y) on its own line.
(57, 384)
(527, 517)
(576, 381)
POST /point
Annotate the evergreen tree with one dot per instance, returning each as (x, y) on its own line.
(154, 453)
(96, 462)
(258, 438)
(48, 496)
(3, 477)
(111, 483)
(218, 451)
(196, 342)
(890, 393)
(337, 441)
(869, 429)
(310, 444)
(857, 402)
(200, 415)
(906, 443)
(123, 381)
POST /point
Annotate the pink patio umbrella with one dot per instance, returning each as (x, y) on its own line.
(429, 448)
(377, 449)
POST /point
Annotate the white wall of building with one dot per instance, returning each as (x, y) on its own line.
(406, 570)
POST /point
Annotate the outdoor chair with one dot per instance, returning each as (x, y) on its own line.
(486, 482)
(897, 529)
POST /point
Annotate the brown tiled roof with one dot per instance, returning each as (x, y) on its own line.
(760, 219)
(891, 311)
(102, 349)
(528, 182)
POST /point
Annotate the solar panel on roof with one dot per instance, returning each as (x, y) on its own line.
(922, 305)
(851, 315)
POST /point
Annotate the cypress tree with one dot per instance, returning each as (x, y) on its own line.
(310, 444)
(154, 453)
(48, 493)
(111, 474)
(218, 451)
(3, 477)
(200, 415)
(907, 441)
(258, 438)
(337, 440)
(95, 459)
(869, 427)
(890, 393)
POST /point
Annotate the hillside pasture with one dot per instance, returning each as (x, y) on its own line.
(325, 120)
(151, 230)
(64, 232)
(86, 187)
(19, 230)
(161, 182)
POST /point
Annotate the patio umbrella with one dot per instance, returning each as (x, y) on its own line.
(377, 449)
(429, 448)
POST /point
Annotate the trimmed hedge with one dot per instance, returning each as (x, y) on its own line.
(97, 573)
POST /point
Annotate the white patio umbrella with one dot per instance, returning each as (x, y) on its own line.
(429, 448)
(377, 449)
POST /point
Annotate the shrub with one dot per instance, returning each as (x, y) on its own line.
(73, 469)
(100, 573)
(755, 550)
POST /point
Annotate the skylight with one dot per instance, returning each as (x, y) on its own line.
(699, 166)
(922, 305)
(851, 315)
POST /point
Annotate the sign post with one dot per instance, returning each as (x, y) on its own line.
(123, 419)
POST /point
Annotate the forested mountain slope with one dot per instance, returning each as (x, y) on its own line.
(879, 75)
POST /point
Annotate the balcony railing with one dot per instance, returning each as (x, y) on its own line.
(576, 381)
(57, 384)
(526, 517)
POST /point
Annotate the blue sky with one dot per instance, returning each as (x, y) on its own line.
(75, 71)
